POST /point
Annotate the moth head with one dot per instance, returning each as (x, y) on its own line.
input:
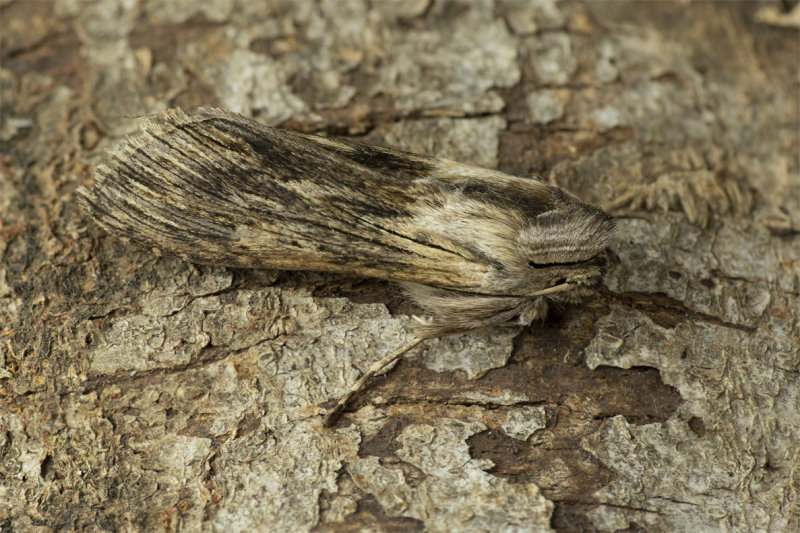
(523, 237)
(561, 244)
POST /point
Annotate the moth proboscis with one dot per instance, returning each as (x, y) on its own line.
(472, 247)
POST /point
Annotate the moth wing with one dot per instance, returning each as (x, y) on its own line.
(216, 188)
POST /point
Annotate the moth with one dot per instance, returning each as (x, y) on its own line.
(472, 247)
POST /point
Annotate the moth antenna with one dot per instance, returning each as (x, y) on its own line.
(333, 415)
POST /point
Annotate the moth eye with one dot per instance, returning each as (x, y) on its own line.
(547, 265)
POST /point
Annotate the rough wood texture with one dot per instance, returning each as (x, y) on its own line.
(139, 393)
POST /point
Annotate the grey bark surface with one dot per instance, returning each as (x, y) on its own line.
(144, 393)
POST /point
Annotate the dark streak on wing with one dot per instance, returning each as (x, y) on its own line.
(388, 160)
(285, 156)
(503, 199)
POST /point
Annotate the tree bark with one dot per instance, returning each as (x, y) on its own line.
(142, 393)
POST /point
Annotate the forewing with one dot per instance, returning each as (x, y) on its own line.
(216, 188)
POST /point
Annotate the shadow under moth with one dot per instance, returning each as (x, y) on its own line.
(472, 247)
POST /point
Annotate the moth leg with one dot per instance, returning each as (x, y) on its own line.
(333, 414)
